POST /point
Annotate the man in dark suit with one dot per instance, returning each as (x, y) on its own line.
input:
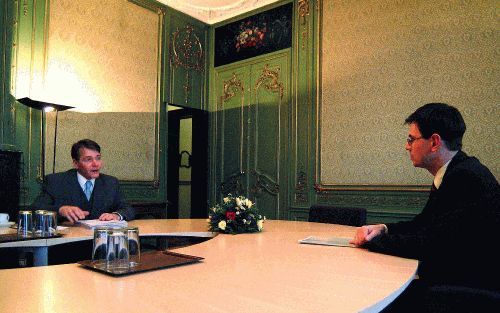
(84, 192)
(455, 235)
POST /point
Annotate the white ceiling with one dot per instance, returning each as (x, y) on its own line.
(213, 11)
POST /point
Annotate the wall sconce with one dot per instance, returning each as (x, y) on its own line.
(46, 107)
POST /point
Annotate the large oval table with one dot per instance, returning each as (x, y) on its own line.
(261, 272)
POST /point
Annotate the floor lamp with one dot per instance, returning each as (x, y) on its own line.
(44, 106)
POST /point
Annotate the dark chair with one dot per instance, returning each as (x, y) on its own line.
(337, 215)
(460, 299)
(150, 210)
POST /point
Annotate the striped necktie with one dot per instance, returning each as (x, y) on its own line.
(88, 189)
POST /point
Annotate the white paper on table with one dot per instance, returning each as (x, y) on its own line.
(97, 223)
(332, 241)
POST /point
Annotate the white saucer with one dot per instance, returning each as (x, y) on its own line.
(8, 224)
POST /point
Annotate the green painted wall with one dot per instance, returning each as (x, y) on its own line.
(187, 46)
(20, 126)
(23, 44)
(193, 85)
(310, 118)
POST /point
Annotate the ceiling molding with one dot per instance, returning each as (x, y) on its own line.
(214, 11)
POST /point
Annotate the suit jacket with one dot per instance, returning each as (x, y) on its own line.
(63, 189)
(456, 234)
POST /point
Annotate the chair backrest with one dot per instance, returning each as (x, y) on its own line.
(337, 215)
(453, 299)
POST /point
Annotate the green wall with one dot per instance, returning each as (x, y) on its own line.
(23, 47)
(20, 126)
(192, 81)
(338, 48)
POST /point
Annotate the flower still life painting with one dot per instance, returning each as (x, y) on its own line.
(235, 215)
(254, 35)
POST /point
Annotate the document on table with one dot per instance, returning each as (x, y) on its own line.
(97, 223)
(332, 241)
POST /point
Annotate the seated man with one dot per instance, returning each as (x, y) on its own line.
(455, 235)
(83, 192)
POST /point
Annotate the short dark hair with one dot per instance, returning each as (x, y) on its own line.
(84, 143)
(442, 119)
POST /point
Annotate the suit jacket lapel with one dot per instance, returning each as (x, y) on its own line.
(76, 191)
(98, 194)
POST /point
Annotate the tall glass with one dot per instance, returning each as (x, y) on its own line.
(50, 223)
(100, 247)
(39, 223)
(117, 258)
(134, 245)
(25, 224)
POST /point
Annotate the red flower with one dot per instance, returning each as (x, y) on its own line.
(231, 216)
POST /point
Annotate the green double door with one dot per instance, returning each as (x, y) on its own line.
(251, 131)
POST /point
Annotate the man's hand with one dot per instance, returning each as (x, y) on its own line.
(73, 213)
(109, 217)
(367, 233)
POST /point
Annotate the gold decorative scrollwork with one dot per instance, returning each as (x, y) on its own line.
(303, 8)
(301, 187)
(272, 78)
(264, 183)
(25, 7)
(161, 11)
(39, 174)
(232, 184)
(187, 51)
(231, 87)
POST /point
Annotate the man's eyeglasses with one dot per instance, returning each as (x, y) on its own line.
(411, 139)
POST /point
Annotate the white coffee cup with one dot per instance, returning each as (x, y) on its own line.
(4, 218)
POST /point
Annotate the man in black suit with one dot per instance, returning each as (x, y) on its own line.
(455, 235)
(84, 192)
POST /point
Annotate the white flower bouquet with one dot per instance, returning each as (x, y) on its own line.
(235, 215)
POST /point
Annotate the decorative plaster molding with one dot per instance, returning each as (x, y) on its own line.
(231, 87)
(270, 79)
(216, 11)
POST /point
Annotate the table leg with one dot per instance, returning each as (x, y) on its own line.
(40, 256)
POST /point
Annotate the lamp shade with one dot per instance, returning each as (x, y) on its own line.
(40, 105)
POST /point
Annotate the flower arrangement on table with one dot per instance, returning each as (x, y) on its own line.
(235, 215)
(250, 36)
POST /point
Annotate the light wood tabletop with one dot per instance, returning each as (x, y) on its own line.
(260, 272)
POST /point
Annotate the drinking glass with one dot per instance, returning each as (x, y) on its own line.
(100, 247)
(25, 224)
(50, 223)
(117, 257)
(39, 223)
(134, 245)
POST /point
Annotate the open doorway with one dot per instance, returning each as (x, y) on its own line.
(187, 173)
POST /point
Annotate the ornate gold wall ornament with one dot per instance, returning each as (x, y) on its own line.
(231, 87)
(264, 183)
(39, 174)
(187, 51)
(161, 11)
(232, 184)
(303, 8)
(25, 7)
(301, 187)
(272, 78)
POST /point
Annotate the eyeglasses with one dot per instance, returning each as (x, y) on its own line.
(411, 139)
